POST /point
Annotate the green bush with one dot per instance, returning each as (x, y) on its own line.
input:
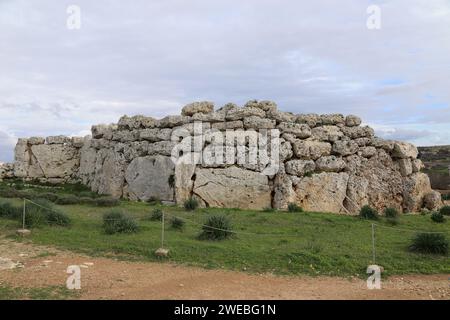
(67, 200)
(434, 243)
(87, 200)
(293, 207)
(42, 212)
(445, 210)
(49, 196)
(445, 197)
(367, 212)
(268, 209)
(391, 213)
(191, 204)
(156, 215)
(437, 217)
(154, 201)
(116, 221)
(7, 210)
(177, 223)
(217, 227)
(107, 202)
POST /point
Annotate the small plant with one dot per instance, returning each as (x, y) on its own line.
(177, 223)
(7, 210)
(217, 227)
(367, 212)
(437, 217)
(434, 243)
(293, 207)
(154, 201)
(445, 210)
(67, 200)
(44, 212)
(391, 213)
(445, 196)
(191, 204)
(49, 196)
(171, 181)
(107, 202)
(268, 209)
(116, 221)
(156, 215)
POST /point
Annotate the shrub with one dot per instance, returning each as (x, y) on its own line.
(392, 221)
(107, 202)
(445, 197)
(367, 212)
(67, 200)
(191, 204)
(44, 212)
(437, 217)
(391, 213)
(429, 243)
(116, 221)
(268, 209)
(86, 194)
(87, 200)
(177, 223)
(153, 201)
(10, 193)
(217, 227)
(156, 215)
(445, 210)
(49, 196)
(293, 207)
(7, 210)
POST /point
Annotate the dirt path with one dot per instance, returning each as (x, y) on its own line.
(103, 278)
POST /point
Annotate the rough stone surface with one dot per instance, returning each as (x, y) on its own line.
(433, 201)
(232, 188)
(197, 107)
(322, 162)
(148, 177)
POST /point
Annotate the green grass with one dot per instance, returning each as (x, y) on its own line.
(44, 293)
(276, 242)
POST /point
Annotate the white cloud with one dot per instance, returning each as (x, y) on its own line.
(151, 57)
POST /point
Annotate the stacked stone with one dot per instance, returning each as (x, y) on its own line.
(327, 162)
(6, 171)
(54, 159)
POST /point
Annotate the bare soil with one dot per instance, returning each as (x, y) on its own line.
(104, 278)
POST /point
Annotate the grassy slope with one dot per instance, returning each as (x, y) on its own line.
(280, 242)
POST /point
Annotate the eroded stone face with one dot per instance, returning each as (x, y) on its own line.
(325, 162)
(148, 177)
(232, 187)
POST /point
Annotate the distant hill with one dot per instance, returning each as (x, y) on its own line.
(437, 165)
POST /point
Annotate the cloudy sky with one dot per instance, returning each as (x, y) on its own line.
(153, 57)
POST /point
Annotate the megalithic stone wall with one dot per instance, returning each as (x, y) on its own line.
(327, 162)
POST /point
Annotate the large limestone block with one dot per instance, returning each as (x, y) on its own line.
(330, 164)
(88, 157)
(256, 123)
(432, 200)
(308, 149)
(184, 178)
(358, 132)
(242, 113)
(300, 167)
(332, 119)
(265, 105)
(311, 119)
(58, 139)
(352, 121)
(283, 191)
(149, 177)
(327, 133)
(404, 150)
(345, 147)
(300, 130)
(197, 107)
(136, 122)
(357, 194)
(109, 173)
(155, 134)
(405, 166)
(416, 186)
(324, 192)
(281, 116)
(55, 160)
(232, 188)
